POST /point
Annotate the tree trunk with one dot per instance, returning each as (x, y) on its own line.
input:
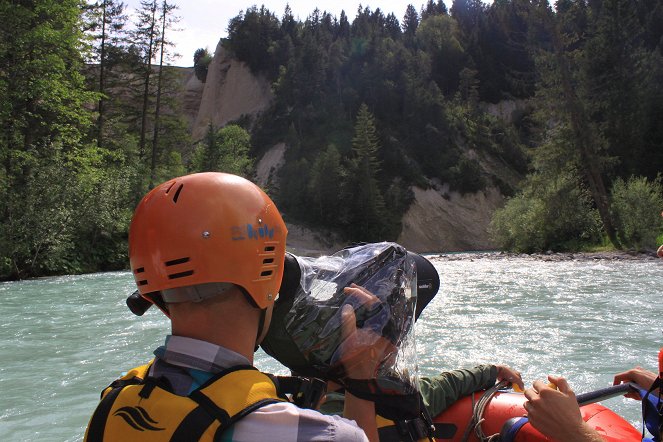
(155, 138)
(584, 140)
(102, 67)
(146, 88)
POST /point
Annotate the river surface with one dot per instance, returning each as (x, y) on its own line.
(63, 339)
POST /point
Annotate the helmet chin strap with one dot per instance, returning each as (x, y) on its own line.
(263, 325)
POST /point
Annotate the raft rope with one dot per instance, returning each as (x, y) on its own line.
(477, 414)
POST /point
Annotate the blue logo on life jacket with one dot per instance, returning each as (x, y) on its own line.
(138, 418)
(249, 231)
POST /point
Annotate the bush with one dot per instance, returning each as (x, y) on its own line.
(636, 209)
(516, 227)
(201, 62)
(547, 215)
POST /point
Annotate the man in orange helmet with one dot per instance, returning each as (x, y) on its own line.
(208, 249)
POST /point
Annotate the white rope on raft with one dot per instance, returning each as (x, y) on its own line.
(477, 414)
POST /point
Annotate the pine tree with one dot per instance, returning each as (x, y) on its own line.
(107, 21)
(576, 132)
(144, 38)
(326, 188)
(410, 21)
(167, 21)
(432, 9)
(367, 213)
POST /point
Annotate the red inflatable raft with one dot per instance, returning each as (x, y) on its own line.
(504, 414)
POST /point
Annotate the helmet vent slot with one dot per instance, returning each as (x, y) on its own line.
(270, 248)
(175, 262)
(170, 187)
(139, 270)
(180, 274)
(177, 194)
(142, 282)
(268, 260)
(266, 273)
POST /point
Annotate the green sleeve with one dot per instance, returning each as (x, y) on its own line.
(333, 404)
(441, 391)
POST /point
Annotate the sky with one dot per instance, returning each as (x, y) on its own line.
(204, 22)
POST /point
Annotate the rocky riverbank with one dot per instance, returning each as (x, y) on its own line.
(549, 256)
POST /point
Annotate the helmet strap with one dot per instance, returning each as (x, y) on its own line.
(262, 330)
(195, 293)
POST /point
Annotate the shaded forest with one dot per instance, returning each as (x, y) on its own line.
(372, 106)
(368, 107)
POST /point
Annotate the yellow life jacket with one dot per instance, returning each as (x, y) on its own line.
(139, 407)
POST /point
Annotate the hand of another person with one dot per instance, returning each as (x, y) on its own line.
(510, 375)
(640, 376)
(362, 350)
(555, 412)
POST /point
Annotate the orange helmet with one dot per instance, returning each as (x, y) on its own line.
(207, 228)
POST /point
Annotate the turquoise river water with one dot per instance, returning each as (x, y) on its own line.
(63, 339)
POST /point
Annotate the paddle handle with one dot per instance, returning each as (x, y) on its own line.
(606, 393)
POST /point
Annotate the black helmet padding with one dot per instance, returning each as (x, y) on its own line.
(428, 282)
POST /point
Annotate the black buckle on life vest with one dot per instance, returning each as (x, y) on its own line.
(421, 427)
(305, 392)
(413, 429)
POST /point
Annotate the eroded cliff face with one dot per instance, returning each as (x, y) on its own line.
(443, 221)
(230, 92)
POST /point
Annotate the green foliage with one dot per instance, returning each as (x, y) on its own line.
(548, 215)
(251, 36)
(224, 150)
(439, 36)
(467, 175)
(367, 216)
(201, 60)
(324, 185)
(71, 214)
(637, 205)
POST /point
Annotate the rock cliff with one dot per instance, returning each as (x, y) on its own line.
(439, 220)
(230, 92)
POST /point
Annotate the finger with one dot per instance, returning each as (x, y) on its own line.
(634, 395)
(348, 321)
(519, 382)
(366, 292)
(562, 384)
(361, 296)
(619, 378)
(531, 394)
(527, 406)
(624, 376)
(515, 378)
(539, 385)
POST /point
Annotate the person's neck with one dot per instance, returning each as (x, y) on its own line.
(232, 324)
(235, 339)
